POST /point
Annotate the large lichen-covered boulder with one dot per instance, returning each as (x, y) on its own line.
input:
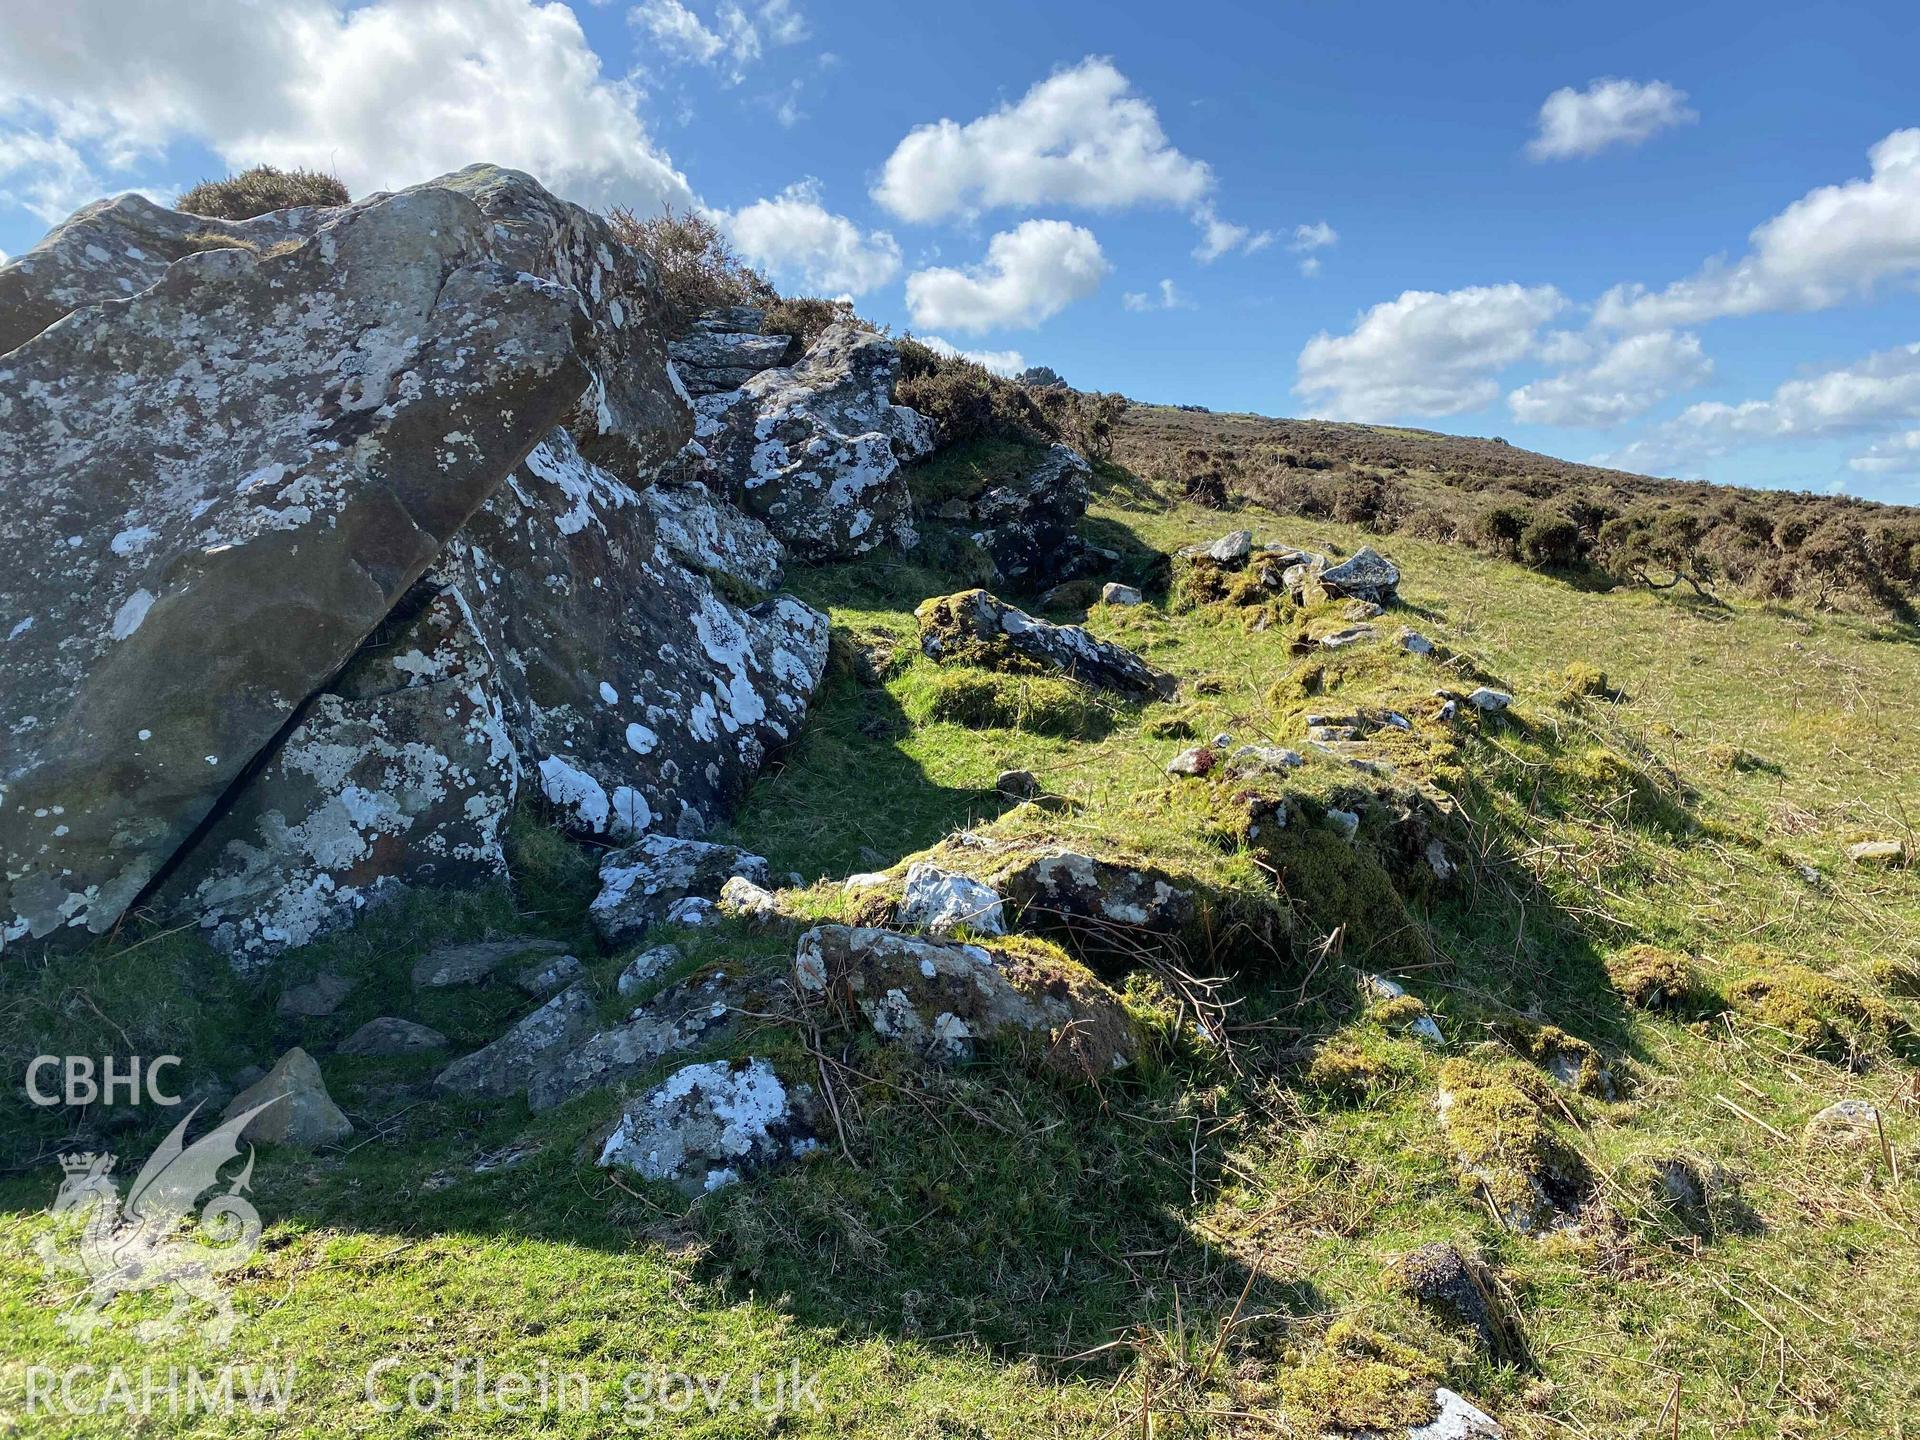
(115, 248)
(937, 997)
(219, 488)
(976, 627)
(559, 644)
(815, 449)
(710, 1125)
(1364, 575)
(632, 417)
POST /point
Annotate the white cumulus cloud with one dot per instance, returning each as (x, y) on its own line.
(1001, 362)
(1629, 378)
(1165, 296)
(1881, 389)
(382, 94)
(1830, 245)
(1425, 353)
(1031, 273)
(1896, 455)
(731, 43)
(798, 239)
(1080, 137)
(1608, 112)
(1221, 237)
(1307, 239)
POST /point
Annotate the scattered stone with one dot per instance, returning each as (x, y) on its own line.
(1198, 761)
(1346, 822)
(1878, 852)
(645, 883)
(1063, 888)
(1495, 1118)
(710, 1125)
(938, 997)
(506, 1066)
(1458, 1420)
(319, 997)
(1250, 761)
(1440, 862)
(1222, 741)
(469, 964)
(692, 911)
(1016, 784)
(1382, 991)
(389, 1036)
(744, 900)
(1114, 593)
(1365, 575)
(548, 977)
(1448, 709)
(699, 1010)
(975, 625)
(867, 880)
(942, 901)
(1352, 635)
(1489, 702)
(298, 1112)
(815, 450)
(1414, 643)
(1460, 1289)
(1235, 546)
(645, 966)
(1846, 1124)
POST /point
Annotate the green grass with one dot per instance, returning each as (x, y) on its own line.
(996, 1252)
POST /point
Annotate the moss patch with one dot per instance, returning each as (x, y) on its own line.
(1504, 1145)
(1813, 1013)
(988, 700)
(1359, 1380)
(1649, 977)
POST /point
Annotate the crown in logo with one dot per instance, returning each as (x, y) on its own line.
(86, 1163)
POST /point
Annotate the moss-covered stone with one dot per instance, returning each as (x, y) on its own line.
(1341, 1068)
(1569, 1059)
(1817, 1014)
(1649, 977)
(1037, 704)
(1359, 1381)
(1505, 1146)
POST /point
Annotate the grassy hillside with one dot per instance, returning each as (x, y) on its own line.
(1200, 1245)
(1580, 521)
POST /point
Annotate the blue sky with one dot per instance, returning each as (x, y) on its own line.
(1420, 214)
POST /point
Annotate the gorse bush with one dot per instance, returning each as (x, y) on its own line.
(699, 268)
(262, 190)
(807, 317)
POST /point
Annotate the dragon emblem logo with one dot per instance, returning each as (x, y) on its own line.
(151, 1242)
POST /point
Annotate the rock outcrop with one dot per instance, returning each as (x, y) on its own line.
(223, 485)
(815, 449)
(506, 1066)
(975, 626)
(326, 596)
(726, 349)
(1028, 526)
(113, 249)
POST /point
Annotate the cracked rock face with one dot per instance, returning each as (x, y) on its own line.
(815, 449)
(708, 1126)
(222, 486)
(974, 625)
(561, 645)
(937, 997)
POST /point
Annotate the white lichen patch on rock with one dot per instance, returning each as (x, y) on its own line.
(815, 450)
(710, 1125)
